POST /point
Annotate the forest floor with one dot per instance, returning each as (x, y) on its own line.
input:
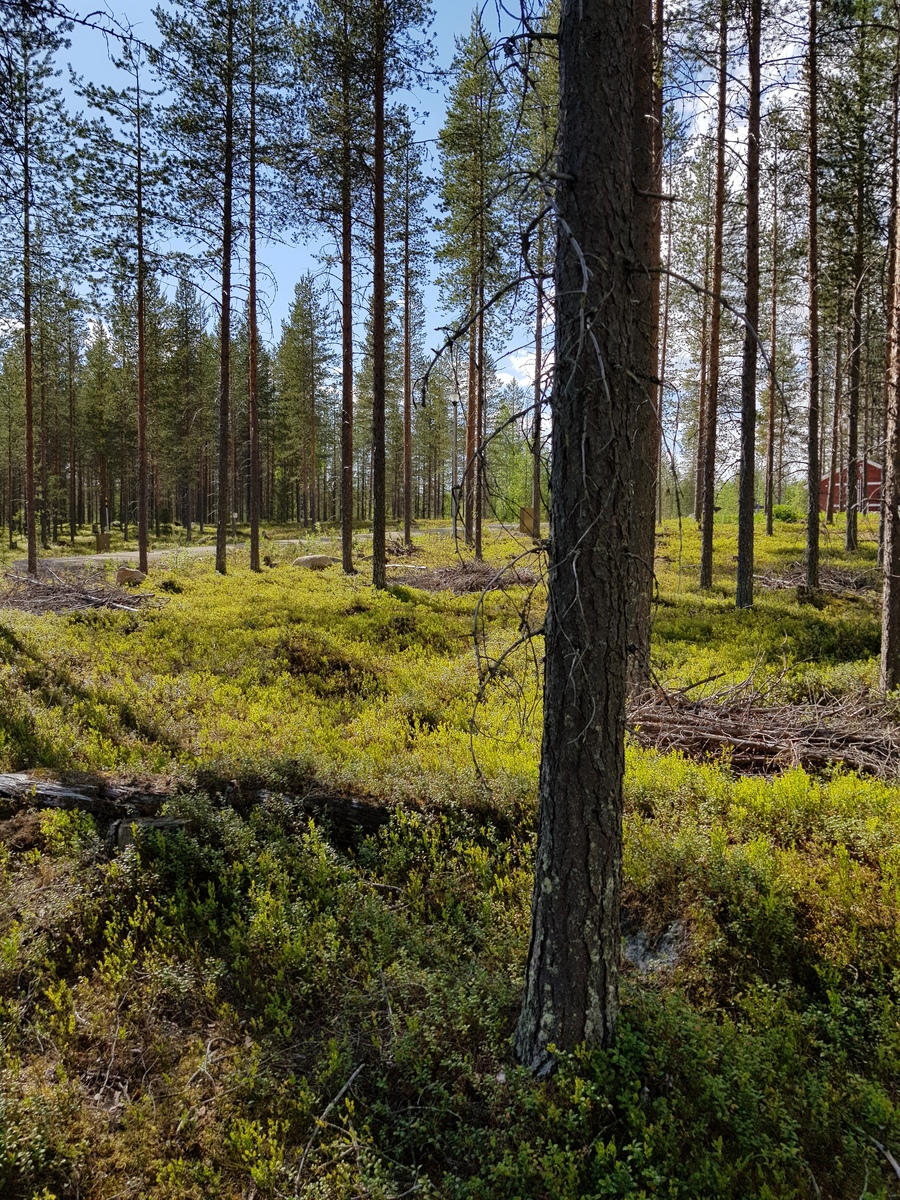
(263, 998)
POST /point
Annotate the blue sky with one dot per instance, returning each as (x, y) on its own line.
(88, 57)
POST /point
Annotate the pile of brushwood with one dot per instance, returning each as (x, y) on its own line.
(69, 592)
(858, 732)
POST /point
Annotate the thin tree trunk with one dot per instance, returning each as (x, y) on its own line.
(142, 522)
(70, 338)
(346, 315)
(708, 488)
(835, 422)
(773, 375)
(253, 331)
(471, 412)
(851, 537)
(225, 315)
(645, 362)
(30, 498)
(407, 368)
(747, 481)
(890, 612)
(814, 470)
(480, 479)
(538, 386)
(891, 331)
(704, 371)
(379, 563)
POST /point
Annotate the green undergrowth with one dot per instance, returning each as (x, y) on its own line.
(279, 678)
(185, 1019)
(244, 1006)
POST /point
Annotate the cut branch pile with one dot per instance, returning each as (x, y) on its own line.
(468, 578)
(53, 593)
(837, 581)
(765, 739)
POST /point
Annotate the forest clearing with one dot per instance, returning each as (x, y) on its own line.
(254, 1000)
(450, 600)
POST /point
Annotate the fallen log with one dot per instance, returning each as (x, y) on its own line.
(348, 817)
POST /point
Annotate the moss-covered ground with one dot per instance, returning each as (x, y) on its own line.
(248, 1008)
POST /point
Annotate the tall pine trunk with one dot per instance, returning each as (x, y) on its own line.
(571, 980)
(538, 385)
(814, 470)
(711, 407)
(379, 564)
(407, 367)
(747, 480)
(890, 611)
(142, 516)
(346, 317)
(851, 536)
(769, 502)
(30, 498)
(225, 315)
(253, 331)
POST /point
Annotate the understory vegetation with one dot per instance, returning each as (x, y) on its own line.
(249, 1004)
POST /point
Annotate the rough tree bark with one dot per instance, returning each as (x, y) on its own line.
(571, 988)
(747, 481)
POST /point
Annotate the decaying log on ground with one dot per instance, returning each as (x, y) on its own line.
(348, 817)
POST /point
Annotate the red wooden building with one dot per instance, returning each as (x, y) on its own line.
(869, 491)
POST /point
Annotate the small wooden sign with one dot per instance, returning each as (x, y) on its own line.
(526, 521)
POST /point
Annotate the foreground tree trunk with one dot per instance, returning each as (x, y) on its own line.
(747, 482)
(571, 985)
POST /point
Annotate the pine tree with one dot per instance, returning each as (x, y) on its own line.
(474, 143)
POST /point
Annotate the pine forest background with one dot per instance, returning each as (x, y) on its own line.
(136, 222)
